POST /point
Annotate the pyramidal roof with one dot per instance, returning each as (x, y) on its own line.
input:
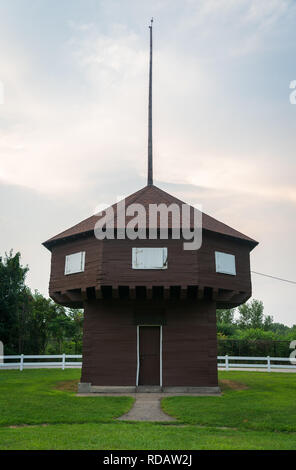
(148, 195)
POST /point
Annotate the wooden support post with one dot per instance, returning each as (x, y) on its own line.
(214, 294)
(132, 293)
(115, 292)
(149, 293)
(65, 295)
(98, 293)
(183, 292)
(200, 292)
(166, 293)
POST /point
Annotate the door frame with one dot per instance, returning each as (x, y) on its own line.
(138, 354)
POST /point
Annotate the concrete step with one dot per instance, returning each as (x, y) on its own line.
(110, 389)
(148, 389)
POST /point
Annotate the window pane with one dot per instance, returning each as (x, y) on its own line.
(149, 258)
(225, 263)
(75, 263)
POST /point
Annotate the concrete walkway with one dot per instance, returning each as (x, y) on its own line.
(147, 408)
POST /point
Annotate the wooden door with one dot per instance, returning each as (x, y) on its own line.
(149, 352)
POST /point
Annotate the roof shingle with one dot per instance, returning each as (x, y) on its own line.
(145, 196)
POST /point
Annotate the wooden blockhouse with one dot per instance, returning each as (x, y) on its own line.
(156, 325)
(149, 305)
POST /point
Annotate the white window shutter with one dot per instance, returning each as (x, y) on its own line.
(75, 262)
(149, 258)
(225, 263)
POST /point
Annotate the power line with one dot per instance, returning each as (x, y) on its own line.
(274, 277)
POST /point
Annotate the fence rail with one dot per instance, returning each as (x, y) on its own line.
(263, 362)
(22, 364)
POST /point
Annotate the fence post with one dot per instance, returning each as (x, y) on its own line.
(64, 360)
(268, 364)
(22, 362)
(226, 362)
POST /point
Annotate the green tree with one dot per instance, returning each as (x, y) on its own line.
(228, 330)
(253, 334)
(29, 322)
(225, 315)
(251, 316)
(76, 328)
(280, 329)
(14, 300)
(42, 312)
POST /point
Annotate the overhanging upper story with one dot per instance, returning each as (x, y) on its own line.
(84, 267)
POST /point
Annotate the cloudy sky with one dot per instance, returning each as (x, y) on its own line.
(73, 124)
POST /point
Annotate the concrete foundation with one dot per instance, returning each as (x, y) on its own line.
(86, 387)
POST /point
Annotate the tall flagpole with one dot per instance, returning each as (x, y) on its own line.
(150, 166)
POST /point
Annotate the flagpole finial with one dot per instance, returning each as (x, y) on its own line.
(150, 163)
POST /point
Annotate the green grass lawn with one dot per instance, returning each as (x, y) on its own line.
(39, 409)
(37, 397)
(266, 402)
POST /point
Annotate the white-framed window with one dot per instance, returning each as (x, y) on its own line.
(74, 263)
(150, 258)
(225, 263)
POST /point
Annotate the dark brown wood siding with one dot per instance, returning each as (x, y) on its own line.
(149, 355)
(189, 344)
(109, 344)
(117, 264)
(207, 274)
(91, 276)
(110, 263)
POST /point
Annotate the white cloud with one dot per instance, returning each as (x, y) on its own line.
(51, 142)
(57, 142)
(237, 28)
(76, 130)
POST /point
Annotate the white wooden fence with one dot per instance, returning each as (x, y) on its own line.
(9, 363)
(64, 360)
(266, 362)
